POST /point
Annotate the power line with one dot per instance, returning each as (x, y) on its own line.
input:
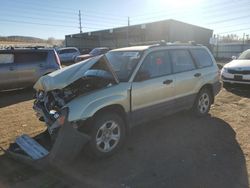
(216, 5)
(39, 4)
(60, 12)
(230, 19)
(44, 24)
(43, 18)
(243, 29)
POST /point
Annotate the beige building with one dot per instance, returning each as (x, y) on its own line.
(168, 30)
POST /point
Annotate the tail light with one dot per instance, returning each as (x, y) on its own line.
(57, 59)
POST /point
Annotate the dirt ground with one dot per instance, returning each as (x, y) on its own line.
(174, 151)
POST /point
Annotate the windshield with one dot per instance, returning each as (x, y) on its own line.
(123, 62)
(245, 55)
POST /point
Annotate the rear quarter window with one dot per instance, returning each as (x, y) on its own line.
(66, 51)
(201, 57)
(30, 57)
(72, 51)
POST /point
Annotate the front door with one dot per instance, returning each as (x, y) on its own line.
(153, 89)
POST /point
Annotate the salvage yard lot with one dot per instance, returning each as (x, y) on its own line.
(175, 151)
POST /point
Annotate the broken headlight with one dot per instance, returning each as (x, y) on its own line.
(40, 95)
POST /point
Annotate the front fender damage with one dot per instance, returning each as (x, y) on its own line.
(66, 146)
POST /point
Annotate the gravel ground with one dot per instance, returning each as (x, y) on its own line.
(174, 151)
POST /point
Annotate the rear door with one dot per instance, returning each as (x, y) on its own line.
(153, 89)
(188, 77)
(31, 65)
(8, 71)
(205, 64)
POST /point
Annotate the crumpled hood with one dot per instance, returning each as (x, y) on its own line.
(238, 64)
(67, 75)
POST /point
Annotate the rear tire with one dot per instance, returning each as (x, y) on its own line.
(203, 102)
(107, 135)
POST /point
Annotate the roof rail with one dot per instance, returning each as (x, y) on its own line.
(24, 47)
(164, 43)
(159, 42)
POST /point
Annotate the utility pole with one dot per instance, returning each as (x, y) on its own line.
(128, 31)
(243, 42)
(80, 21)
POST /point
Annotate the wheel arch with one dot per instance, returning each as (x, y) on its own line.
(118, 109)
(210, 88)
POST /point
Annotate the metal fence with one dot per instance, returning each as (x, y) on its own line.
(227, 50)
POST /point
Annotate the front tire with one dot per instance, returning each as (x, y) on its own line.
(107, 135)
(203, 102)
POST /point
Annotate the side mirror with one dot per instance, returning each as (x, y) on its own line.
(234, 57)
(142, 75)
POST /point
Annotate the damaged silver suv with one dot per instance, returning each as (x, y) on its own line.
(106, 95)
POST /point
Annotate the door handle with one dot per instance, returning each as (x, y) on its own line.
(167, 82)
(197, 74)
(11, 68)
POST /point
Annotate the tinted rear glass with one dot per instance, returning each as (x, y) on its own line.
(30, 57)
(67, 51)
(202, 58)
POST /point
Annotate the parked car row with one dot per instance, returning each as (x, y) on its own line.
(22, 67)
(92, 53)
(71, 54)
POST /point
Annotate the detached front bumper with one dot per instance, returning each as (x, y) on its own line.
(42, 150)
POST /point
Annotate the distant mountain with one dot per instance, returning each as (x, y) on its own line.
(22, 39)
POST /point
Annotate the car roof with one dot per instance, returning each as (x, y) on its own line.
(67, 48)
(132, 48)
(158, 46)
(26, 50)
(101, 48)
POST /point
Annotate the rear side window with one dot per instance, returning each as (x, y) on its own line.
(181, 60)
(65, 51)
(30, 57)
(6, 58)
(157, 64)
(72, 51)
(202, 57)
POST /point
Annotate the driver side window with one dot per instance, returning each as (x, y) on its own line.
(156, 64)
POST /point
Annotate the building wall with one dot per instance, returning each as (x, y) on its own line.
(183, 32)
(168, 30)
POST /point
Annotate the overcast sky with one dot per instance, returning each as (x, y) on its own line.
(58, 18)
